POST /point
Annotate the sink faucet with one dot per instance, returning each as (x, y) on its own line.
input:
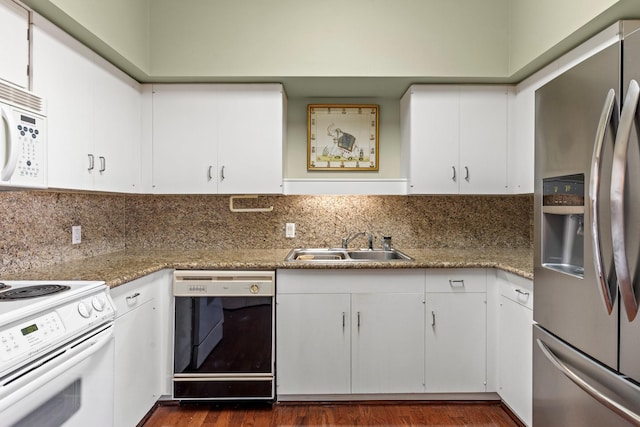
(352, 236)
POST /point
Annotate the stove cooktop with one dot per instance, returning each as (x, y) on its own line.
(23, 298)
(32, 291)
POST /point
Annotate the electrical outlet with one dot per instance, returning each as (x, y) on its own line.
(76, 234)
(290, 230)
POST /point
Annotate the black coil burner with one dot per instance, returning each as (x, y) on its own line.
(3, 286)
(31, 292)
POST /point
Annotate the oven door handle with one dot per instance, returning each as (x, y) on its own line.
(52, 368)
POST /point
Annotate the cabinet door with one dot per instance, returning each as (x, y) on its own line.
(185, 137)
(433, 158)
(388, 343)
(456, 342)
(136, 381)
(515, 357)
(250, 144)
(313, 345)
(483, 140)
(117, 129)
(63, 74)
(14, 43)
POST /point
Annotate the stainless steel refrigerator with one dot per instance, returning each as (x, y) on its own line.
(586, 361)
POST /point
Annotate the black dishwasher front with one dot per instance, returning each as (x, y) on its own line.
(223, 335)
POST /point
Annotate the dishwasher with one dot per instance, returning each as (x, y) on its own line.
(223, 344)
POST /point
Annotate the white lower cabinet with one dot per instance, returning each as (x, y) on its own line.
(349, 332)
(367, 333)
(140, 346)
(515, 337)
(313, 343)
(387, 342)
(456, 331)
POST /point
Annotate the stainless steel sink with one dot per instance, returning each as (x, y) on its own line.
(346, 255)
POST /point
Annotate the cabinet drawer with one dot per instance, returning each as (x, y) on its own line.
(516, 288)
(457, 280)
(133, 294)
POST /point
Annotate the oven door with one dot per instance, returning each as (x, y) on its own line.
(223, 347)
(72, 386)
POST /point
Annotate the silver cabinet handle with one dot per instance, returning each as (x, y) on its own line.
(523, 293)
(619, 168)
(222, 174)
(609, 115)
(91, 162)
(453, 177)
(103, 164)
(134, 296)
(454, 283)
(624, 412)
(358, 321)
(209, 176)
(344, 316)
(466, 174)
(433, 319)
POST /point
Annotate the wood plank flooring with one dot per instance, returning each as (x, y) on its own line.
(388, 414)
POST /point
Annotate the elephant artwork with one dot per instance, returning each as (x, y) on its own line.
(343, 137)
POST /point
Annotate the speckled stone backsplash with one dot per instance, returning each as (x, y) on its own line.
(36, 225)
(201, 222)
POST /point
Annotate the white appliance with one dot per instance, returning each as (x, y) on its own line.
(56, 353)
(23, 142)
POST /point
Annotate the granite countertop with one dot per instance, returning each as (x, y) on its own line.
(124, 266)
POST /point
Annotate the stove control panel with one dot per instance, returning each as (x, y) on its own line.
(49, 329)
(28, 335)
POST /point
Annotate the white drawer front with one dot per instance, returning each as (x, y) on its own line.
(516, 288)
(133, 294)
(457, 280)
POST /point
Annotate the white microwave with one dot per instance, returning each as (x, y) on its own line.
(23, 138)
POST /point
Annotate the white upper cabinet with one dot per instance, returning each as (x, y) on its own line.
(184, 139)
(14, 43)
(251, 138)
(454, 139)
(117, 111)
(94, 114)
(218, 138)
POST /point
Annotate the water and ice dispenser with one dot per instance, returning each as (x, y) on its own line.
(563, 224)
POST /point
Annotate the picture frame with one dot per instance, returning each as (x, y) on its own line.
(342, 137)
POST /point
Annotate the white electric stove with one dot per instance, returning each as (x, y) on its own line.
(56, 348)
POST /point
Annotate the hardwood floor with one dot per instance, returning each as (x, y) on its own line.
(388, 414)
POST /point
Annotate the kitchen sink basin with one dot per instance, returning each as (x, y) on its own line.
(346, 255)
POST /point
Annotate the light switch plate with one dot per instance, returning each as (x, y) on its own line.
(76, 234)
(290, 230)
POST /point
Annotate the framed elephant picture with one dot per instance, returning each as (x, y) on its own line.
(342, 137)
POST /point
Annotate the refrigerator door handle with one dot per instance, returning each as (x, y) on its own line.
(610, 403)
(618, 172)
(609, 115)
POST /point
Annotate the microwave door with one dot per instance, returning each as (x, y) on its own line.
(8, 144)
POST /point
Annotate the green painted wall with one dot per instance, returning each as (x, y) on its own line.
(123, 24)
(418, 40)
(329, 38)
(117, 29)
